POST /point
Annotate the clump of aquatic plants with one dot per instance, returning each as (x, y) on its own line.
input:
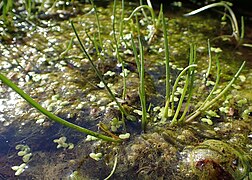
(169, 110)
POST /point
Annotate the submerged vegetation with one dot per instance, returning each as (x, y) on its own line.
(172, 122)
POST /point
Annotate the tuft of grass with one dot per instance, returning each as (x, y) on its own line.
(189, 84)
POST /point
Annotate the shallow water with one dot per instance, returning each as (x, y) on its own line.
(34, 57)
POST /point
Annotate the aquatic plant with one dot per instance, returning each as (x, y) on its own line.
(167, 68)
(189, 83)
(62, 143)
(117, 45)
(189, 79)
(140, 67)
(168, 146)
(236, 32)
(188, 87)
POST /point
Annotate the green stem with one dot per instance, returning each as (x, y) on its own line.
(188, 82)
(210, 59)
(98, 23)
(167, 67)
(176, 84)
(50, 115)
(233, 20)
(142, 7)
(174, 120)
(215, 85)
(142, 86)
(140, 69)
(242, 32)
(191, 75)
(117, 50)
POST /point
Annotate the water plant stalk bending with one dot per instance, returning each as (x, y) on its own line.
(50, 115)
(140, 8)
(215, 84)
(239, 37)
(176, 84)
(114, 168)
(188, 81)
(155, 21)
